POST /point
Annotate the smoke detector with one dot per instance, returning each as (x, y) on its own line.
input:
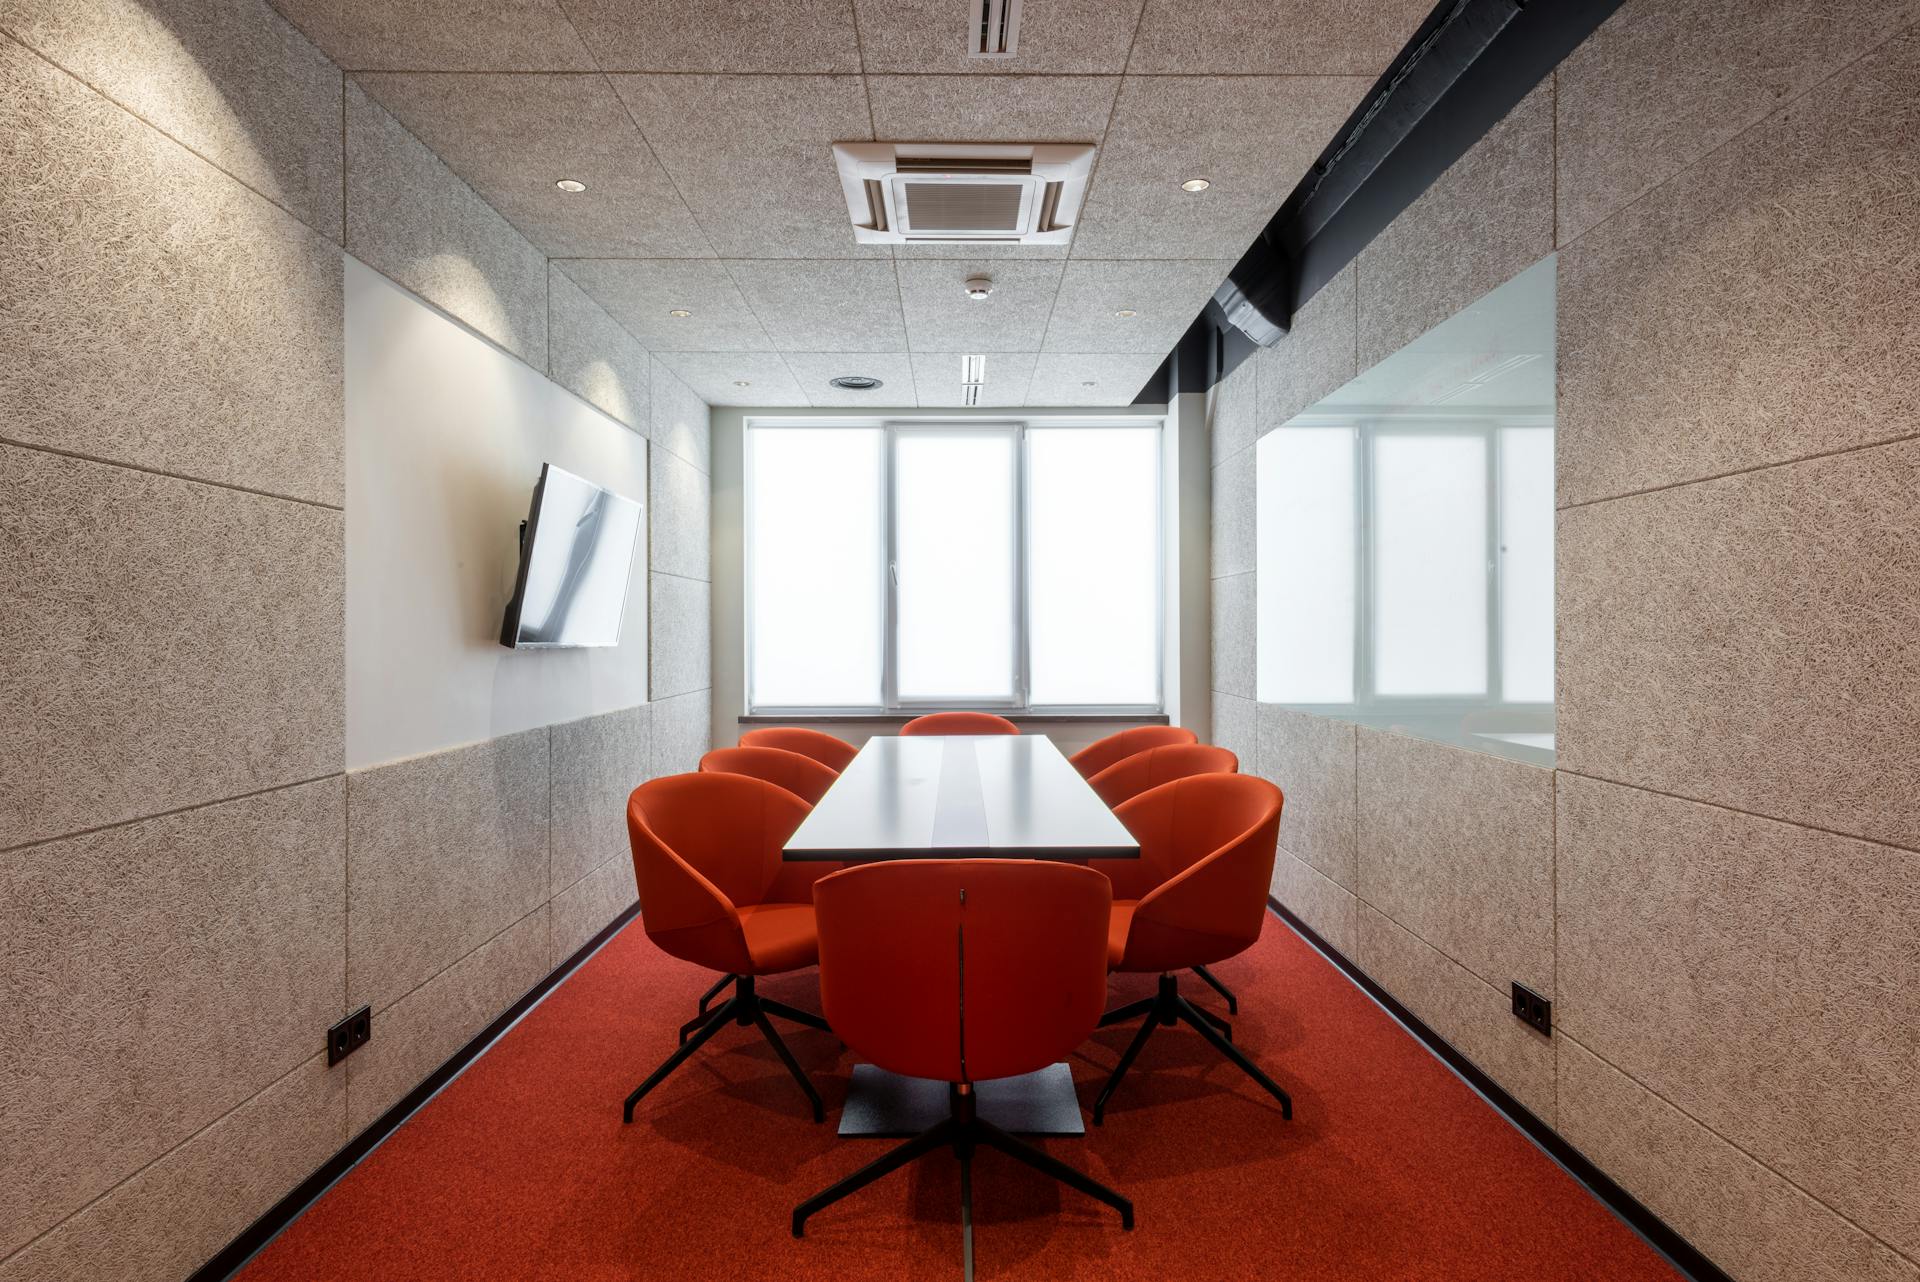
(978, 287)
(968, 193)
(855, 382)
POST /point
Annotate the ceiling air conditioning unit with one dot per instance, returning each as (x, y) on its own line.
(901, 193)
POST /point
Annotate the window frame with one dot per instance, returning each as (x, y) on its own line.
(893, 428)
(1367, 426)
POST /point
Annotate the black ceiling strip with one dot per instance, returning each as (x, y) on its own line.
(1477, 96)
(1467, 66)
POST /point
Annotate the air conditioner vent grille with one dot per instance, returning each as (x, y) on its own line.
(960, 192)
(972, 207)
(968, 165)
(994, 28)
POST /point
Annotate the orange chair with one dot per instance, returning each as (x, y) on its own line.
(830, 752)
(1196, 895)
(1120, 745)
(1130, 776)
(706, 854)
(959, 723)
(804, 777)
(963, 970)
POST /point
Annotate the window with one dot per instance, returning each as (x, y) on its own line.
(1405, 565)
(816, 546)
(997, 565)
(1404, 535)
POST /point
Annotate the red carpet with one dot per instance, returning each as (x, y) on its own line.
(521, 1169)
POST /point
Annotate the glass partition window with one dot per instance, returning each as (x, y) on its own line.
(1093, 565)
(955, 575)
(1404, 534)
(1001, 565)
(1305, 540)
(815, 546)
(1429, 628)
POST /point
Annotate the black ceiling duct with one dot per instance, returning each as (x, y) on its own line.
(1466, 67)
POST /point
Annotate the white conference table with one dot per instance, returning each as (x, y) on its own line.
(950, 797)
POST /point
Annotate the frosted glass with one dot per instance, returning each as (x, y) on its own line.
(1093, 558)
(1304, 535)
(954, 544)
(816, 532)
(1526, 564)
(1430, 565)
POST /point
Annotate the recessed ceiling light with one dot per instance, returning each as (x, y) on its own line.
(855, 382)
(1126, 313)
(679, 313)
(571, 184)
(1195, 184)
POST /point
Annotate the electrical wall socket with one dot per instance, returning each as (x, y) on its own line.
(349, 1035)
(1533, 1008)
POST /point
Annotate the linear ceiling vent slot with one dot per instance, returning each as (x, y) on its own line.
(993, 28)
(1006, 193)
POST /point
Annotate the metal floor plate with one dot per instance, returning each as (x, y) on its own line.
(882, 1103)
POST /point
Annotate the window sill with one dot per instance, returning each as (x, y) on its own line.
(897, 718)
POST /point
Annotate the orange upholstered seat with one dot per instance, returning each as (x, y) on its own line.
(714, 891)
(963, 970)
(1120, 745)
(958, 723)
(1207, 844)
(830, 752)
(779, 937)
(800, 775)
(1130, 776)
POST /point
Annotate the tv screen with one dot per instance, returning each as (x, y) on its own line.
(576, 556)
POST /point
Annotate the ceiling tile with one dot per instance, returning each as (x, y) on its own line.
(893, 369)
(991, 109)
(940, 316)
(1253, 137)
(936, 376)
(640, 294)
(441, 35)
(511, 137)
(716, 377)
(1165, 295)
(1275, 37)
(1115, 379)
(740, 35)
(752, 156)
(829, 305)
(1055, 36)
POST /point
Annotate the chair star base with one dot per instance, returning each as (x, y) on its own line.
(745, 1007)
(1169, 1007)
(963, 1130)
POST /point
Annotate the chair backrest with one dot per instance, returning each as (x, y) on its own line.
(1131, 776)
(963, 969)
(1120, 745)
(1207, 844)
(704, 845)
(830, 752)
(804, 777)
(959, 723)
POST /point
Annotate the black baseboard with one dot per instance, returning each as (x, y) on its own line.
(1682, 1254)
(236, 1253)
